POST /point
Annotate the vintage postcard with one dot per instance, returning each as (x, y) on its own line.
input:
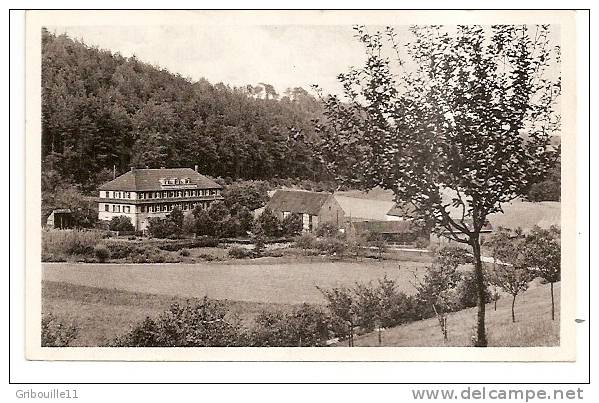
(301, 185)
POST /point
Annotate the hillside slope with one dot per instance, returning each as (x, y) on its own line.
(533, 326)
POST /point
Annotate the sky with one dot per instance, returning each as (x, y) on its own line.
(284, 56)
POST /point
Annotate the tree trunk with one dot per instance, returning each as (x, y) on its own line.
(481, 336)
(552, 304)
(513, 314)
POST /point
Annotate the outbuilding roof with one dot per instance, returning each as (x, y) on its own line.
(150, 179)
(298, 201)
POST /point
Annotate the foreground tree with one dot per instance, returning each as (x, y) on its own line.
(464, 128)
(543, 256)
(509, 271)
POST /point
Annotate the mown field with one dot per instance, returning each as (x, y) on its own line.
(533, 326)
(105, 300)
(257, 280)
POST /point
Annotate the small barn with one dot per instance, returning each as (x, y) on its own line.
(60, 218)
(314, 207)
(402, 232)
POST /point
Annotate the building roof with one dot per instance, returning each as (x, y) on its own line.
(149, 179)
(298, 201)
(364, 209)
(61, 211)
(385, 227)
(398, 210)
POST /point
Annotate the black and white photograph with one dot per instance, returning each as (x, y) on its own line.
(342, 185)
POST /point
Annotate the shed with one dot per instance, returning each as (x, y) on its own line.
(60, 218)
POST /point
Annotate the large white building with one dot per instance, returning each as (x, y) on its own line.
(144, 193)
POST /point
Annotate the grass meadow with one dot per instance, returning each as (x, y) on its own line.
(105, 300)
(533, 326)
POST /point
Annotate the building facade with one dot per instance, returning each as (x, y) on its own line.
(314, 207)
(141, 194)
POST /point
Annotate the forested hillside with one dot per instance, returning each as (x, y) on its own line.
(101, 110)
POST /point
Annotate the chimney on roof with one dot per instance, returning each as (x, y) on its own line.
(196, 168)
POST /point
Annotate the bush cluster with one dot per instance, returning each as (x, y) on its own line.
(304, 326)
(58, 244)
(56, 333)
(237, 252)
(194, 324)
(176, 245)
(137, 252)
(121, 224)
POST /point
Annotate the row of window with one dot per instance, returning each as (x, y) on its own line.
(155, 208)
(179, 193)
(166, 207)
(119, 195)
(116, 208)
(174, 181)
(164, 194)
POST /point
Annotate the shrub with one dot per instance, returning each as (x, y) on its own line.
(259, 245)
(184, 252)
(305, 326)
(268, 223)
(69, 242)
(305, 241)
(327, 230)
(203, 223)
(189, 224)
(121, 223)
(102, 252)
(137, 252)
(292, 225)
(467, 292)
(238, 252)
(162, 227)
(55, 333)
(195, 324)
(175, 245)
(332, 246)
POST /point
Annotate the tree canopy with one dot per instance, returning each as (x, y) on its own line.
(101, 110)
(454, 120)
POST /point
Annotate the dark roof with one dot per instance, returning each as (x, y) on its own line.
(61, 211)
(385, 227)
(149, 179)
(298, 201)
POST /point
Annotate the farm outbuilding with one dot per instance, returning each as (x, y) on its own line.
(60, 218)
(314, 207)
(395, 232)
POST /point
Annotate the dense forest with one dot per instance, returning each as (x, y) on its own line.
(101, 110)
